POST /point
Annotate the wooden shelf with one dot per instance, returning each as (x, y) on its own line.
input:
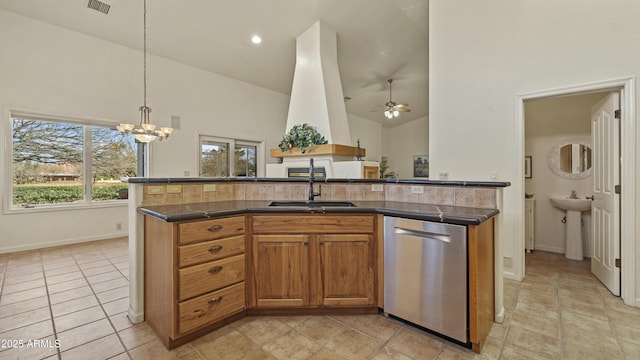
(326, 149)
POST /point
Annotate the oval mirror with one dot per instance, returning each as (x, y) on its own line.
(571, 159)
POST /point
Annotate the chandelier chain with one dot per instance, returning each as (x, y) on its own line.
(144, 22)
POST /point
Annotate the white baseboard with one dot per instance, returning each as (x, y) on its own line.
(552, 249)
(134, 317)
(500, 316)
(510, 275)
(48, 244)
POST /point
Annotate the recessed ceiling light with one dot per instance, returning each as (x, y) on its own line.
(256, 39)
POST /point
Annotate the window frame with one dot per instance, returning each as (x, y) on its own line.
(87, 203)
(259, 145)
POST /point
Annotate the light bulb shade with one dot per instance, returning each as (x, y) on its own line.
(144, 138)
(388, 114)
(396, 113)
(127, 127)
(166, 131)
(148, 127)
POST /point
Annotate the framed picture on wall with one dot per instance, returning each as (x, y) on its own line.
(527, 167)
(421, 166)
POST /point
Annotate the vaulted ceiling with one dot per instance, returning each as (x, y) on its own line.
(377, 40)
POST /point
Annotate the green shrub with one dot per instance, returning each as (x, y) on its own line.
(57, 194)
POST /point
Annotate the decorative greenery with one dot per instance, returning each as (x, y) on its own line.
(303, 136)
(384, 166)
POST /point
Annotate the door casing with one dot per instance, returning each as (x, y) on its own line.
(628, 127)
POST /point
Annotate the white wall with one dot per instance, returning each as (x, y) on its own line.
(548, 123)
(370, 134)
(484, 54)
(52, 70)
(401, 142)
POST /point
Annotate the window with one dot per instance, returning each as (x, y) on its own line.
(216, 161)
(68, 162)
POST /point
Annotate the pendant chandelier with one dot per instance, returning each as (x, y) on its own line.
(146, 131)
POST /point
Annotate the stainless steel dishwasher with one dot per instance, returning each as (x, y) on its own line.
(425, 275)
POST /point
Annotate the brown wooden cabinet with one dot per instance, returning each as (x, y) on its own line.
(313, 261)
(194, 276)
(481, 282)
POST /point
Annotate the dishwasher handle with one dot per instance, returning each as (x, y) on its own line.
(424, 234)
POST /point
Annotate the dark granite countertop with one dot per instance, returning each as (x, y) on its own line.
(142, 180)
(439, 213)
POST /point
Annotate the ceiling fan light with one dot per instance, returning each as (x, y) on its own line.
(396, 113)
(388, 114)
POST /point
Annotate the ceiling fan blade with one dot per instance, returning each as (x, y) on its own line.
(403, 109)
(402, 105)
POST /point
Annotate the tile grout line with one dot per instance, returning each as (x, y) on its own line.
(53, 323)
(101, 308)
(126, 351)
(611, 324)
(560, 327)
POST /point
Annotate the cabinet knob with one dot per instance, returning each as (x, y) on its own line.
(215, 269)
(214, 228)
(215, 248)
(215, 300)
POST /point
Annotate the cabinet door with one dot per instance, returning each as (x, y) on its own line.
(347, 269)
(281, 270)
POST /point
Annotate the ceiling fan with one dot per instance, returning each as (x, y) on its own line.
(393, 109)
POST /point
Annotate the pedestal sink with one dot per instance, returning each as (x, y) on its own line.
(573, 207)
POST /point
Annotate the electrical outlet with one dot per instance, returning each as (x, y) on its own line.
(209, 187)
(508, 262)
(417, 190)
(174, 189)
(443, 175)
(494, 176)
(377, 187)
(187, 173)
(155, 189)
(118, 226)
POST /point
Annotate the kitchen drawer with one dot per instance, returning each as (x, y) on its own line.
(192, 232)
(210, 250)
(199, 279)
(305, 224)
(210, 307)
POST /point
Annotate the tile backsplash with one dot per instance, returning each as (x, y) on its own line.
(478, 197)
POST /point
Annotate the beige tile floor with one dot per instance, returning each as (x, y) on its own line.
(78, 295)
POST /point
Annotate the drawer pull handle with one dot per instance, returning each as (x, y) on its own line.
(215, 269)
(215, 248)
(214, 228)
(215, 300)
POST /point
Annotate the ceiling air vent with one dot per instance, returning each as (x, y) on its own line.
(99, 6)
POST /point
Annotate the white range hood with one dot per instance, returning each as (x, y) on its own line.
(316, 95)
(317, 99)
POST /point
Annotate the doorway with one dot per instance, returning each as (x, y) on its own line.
(627, 151)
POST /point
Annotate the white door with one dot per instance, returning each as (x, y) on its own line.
(605, 207)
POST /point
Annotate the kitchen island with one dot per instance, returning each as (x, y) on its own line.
(209, 263)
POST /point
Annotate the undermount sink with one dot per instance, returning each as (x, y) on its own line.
(313, 203)
(566, 203)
